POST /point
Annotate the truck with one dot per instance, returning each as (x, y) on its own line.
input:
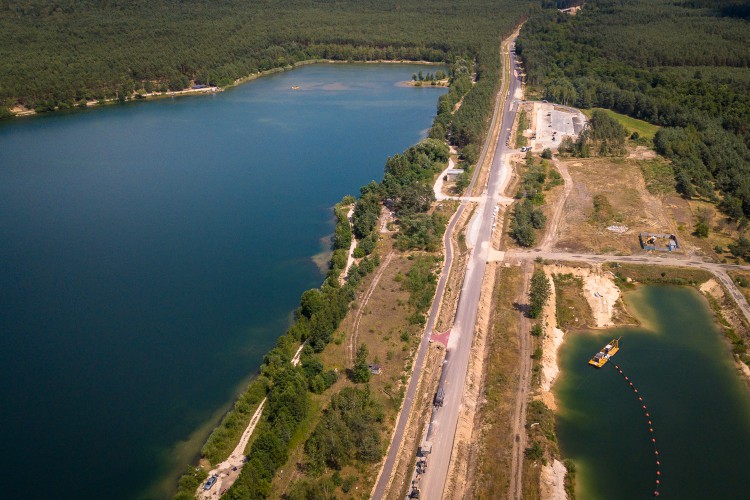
(439, 397)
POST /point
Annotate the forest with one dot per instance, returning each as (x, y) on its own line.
(683, 65)
(62, 53)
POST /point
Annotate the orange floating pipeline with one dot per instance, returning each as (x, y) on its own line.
(650, 427)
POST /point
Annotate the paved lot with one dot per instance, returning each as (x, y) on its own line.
(555, 122)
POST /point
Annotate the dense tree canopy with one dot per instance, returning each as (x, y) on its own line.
(683, 65)
(62, 52)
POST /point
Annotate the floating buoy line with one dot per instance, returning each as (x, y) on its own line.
(657, 483)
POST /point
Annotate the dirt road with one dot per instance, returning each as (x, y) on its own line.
(667, 260)
(553, 227)
(522, 393)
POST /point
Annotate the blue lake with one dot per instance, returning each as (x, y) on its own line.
(151, 253)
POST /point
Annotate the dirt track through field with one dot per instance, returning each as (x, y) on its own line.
(522, 394)
(554, 224)
(355, 327)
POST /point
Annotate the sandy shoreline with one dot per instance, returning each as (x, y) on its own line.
(602, 294)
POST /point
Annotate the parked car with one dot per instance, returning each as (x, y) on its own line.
(211, 481)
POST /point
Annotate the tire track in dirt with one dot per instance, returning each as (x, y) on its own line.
(550, 235)
(358, 317)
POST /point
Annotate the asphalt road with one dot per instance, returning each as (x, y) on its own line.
(485, 217)
(442, 428)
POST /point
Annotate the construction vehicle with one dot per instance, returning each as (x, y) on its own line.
(609, 350)
(439, 397)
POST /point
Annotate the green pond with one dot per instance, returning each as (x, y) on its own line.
(698, 404)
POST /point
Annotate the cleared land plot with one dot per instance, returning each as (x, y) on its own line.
(552, 123)
(608, 192)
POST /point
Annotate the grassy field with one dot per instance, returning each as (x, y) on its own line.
(644, 129)
(494, 456)
(571, 308)
(657, 274)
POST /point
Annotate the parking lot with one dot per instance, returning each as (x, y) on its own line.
(551, 123)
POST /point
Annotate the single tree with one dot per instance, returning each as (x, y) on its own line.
(539, 293)
(361, 371)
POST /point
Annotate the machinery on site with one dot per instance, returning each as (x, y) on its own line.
(609, 350)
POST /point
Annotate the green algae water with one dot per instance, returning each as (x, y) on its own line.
(698, 404)
(151, 253)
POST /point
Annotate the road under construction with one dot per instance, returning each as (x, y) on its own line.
(432, 467)
(442, 427)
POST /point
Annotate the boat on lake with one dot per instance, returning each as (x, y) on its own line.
(609, 350)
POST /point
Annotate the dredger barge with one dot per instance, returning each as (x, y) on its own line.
(609, 350)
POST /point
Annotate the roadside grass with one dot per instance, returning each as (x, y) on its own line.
(496, 440)
(571, 307)
(523, 124)
(644, 129)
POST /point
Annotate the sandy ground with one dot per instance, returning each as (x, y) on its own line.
(229, 470)
(552, 477)
(352, 246)
(713, 288)
(599, 289)
(553, 481)
(553, 339)
(439, 187)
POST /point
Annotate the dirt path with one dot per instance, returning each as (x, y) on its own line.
(522, 393)
(553, 227)
(355, 327)
(352, 246)
(228, 471)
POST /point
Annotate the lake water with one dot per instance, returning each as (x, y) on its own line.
(699, 405)
(151, 253)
